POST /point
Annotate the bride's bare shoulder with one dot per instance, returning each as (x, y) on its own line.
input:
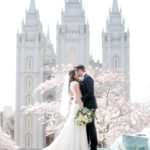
(74, 83)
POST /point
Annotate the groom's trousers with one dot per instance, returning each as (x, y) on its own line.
(92, 135)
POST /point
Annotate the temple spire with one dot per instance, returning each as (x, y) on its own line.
(48, 37)
(115, 8)
(32, 6)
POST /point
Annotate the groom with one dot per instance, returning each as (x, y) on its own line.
(89, 101)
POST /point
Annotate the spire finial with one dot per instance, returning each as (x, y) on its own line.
(22, 21)
(123, 20)
(18, 31)
(128, 31)
(115, 7)
(32, 6)
(87, 22)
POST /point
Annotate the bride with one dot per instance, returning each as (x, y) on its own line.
(72, 136)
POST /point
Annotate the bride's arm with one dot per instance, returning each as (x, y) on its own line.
(78, 98)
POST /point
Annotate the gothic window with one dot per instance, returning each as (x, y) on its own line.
(116, 62)
(49, 77)
(28, 140)
(26, 37)
(28, 122)
(29, 63)
(125, 37)
(49, 98)
(20, 39)
(72, 56)
(32, 14)
(29, 36)
(29, 82)
(106, 38)
(39, 37)
(29, 100)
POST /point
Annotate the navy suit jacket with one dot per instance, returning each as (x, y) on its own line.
(87, 90)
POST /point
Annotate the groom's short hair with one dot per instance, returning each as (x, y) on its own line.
(80, 67)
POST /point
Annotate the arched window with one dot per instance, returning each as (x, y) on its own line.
(20, 39)
(116, 62)
(72, 56)
(50, 97)
(28, 122)
(28, 100)
(106, 38)
(28, 141)
(39, 37)
(29, 63)
(29, 82)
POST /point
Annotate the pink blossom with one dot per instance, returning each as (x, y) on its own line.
(6, 143)
(116, 115)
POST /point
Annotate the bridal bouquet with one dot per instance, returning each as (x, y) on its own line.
(84, 116)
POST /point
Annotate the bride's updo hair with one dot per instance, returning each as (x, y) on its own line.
(71, 77)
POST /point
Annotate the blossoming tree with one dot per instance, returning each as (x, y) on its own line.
(116, 115)
(6, 143)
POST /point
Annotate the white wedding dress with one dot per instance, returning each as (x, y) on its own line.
(72, 136)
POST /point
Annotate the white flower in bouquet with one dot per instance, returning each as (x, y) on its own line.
(81, 79)
(84, 116)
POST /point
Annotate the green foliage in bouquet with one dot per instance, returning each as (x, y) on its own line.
(84, 116)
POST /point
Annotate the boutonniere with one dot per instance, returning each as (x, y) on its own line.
(81, 79)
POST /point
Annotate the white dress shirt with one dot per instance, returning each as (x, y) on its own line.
(83, 75)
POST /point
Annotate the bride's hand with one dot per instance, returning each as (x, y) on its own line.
(70, 94)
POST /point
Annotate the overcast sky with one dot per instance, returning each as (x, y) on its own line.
(135, 12)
